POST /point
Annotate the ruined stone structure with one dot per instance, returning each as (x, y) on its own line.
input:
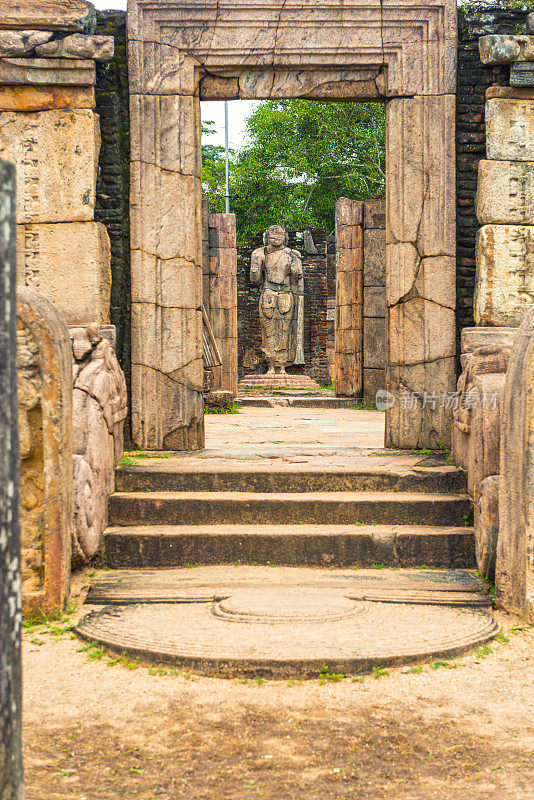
(178, 55)
(45, 432)
(374, 299)
(11, 783)
(99, 410)
(49, 130)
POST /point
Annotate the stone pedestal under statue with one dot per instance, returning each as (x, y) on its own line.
(278, 269)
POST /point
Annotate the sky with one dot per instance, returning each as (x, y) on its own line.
(238, 110)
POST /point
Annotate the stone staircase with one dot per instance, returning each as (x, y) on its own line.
(163, 516)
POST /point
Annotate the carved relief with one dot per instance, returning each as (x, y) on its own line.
(99, 409)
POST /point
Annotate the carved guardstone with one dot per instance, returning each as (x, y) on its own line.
(514, 573)
(11, 781)
(99, 410)
(45, 425)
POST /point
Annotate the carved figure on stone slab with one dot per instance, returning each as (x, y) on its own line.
(99, 410)
(279, 270)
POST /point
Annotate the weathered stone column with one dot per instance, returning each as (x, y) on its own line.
(420, 269)
(11, 787)
(349, 298)
(374, 299)
(223, 295)
(166, 242)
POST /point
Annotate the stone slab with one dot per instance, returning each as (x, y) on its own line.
(99, 48)
(31, 98)
(504, 289)
(374, 380)
(374, 342)
(487, 525)
(374, 257)
(506, 48)
(10, 595)
(509, 93)
(48, 14)
(374, 301)
(47, 72)
(522, 74)
(510, 129)
(471, 338)
(18, 43)
(56, 155)
(268, 634)
(374, 213)
(505, 192)
(70, 264)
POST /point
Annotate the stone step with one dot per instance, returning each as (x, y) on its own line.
(168, 478)
(323, 508)
(154, 546)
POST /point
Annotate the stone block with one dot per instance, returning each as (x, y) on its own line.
(70, 15)
(99, 410)
(506, 48)
(504, 289)
(505, 192)
(374, 257)
(487, 525)
(509, 93)
(10, 596)
(374, 343)
(510, 129)
(56, 155)
(514, 571)
(70, 264)
(47, 72)
(45, 431)
(374, 214)
(530, 23)
(471, 338)
(373, 381)
(31, 98)
(522, 74)
(99, 48)
(18, 43)
(374, 301)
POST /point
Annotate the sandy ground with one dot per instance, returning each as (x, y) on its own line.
(96, 727)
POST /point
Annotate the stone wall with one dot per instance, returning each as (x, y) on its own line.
(473, 80)
(315, 306)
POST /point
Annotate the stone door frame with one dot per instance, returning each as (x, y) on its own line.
(398, 51)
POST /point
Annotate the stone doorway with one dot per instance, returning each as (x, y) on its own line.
(402, 53)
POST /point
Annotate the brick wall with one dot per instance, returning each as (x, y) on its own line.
(473, 80)
(315, 303)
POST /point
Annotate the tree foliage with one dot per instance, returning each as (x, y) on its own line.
(300, 157)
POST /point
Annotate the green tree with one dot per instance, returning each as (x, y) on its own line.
(213, 169)
(300, 157)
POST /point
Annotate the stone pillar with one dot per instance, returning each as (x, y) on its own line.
(223, 295)
(374, 299)
(166, 242)
(420, 269)
(514, 574)
(45, 430)
(349, 288)
(11, 784)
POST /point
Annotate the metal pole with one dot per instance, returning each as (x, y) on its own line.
(226, 159)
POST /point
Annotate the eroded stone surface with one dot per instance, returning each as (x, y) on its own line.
(99, 48)
(514, 573)
(506, 48)
(522, 74)
(479, 337)
(45, 420)
(47, 14)
(99, 409)
(510, 129)
(504, 289)
(70, 264)
(30, 98)
(56, 154)
(505, 192)
(349, 291)
(47, 72)
(17, 43)
(223, 295)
